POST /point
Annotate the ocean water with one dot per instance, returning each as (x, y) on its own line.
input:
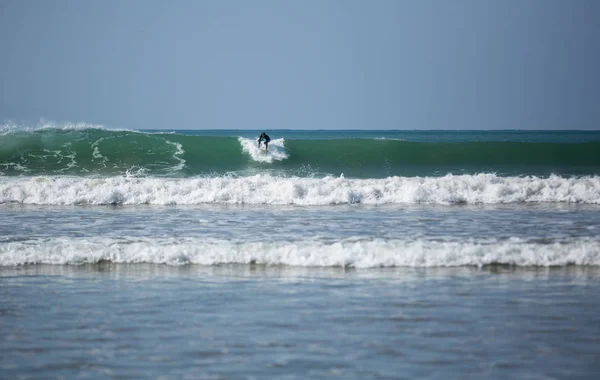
(334, 254)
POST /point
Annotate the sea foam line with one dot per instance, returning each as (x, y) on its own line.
(265, 189)
(345, 253)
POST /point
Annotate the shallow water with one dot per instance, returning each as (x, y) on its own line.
(277, 295)
(239, 321)
(259, 223)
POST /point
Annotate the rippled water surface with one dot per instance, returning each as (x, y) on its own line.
(107, 321)
(292, 223)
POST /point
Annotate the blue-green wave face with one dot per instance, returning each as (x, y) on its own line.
(100, 152)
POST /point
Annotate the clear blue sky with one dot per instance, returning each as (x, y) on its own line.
(317, 64)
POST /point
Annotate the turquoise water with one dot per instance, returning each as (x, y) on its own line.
(345, 254)
(356, 154)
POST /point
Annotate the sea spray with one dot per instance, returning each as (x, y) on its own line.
(276, 150)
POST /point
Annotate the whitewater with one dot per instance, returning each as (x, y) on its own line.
(272, 190)
(346, 253)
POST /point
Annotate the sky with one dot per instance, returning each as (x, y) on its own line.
(312, 64)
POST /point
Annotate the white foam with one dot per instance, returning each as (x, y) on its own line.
(96, 152)
(266, 189)
(12, 127)
(345, 253)
(389, 138)
(276, 150)
(178, 152)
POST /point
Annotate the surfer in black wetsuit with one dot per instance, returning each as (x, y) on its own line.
(264, 137)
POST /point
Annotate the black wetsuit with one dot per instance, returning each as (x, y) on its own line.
(266, 138)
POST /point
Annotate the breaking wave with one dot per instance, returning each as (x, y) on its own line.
(346, 253)
(267, 189)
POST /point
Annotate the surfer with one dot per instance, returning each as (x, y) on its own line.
(264, 137)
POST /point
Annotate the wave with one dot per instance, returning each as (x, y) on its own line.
(266, 189)
(11, 127)
(345, 253)
(90, 151)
